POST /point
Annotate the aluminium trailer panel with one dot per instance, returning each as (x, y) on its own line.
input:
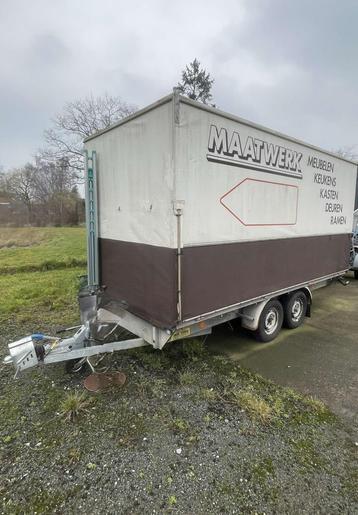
(136, 222)
(200, 210)
(263, 212)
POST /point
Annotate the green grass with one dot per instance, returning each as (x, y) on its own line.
(23, 236)
(31, 296)
(45, 249)
(40, 281)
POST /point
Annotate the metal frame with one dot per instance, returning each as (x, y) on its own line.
(151, 334)
(62, 353)
(26, 354)
(91, 218)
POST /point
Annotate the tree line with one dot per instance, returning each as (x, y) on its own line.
(45, 191)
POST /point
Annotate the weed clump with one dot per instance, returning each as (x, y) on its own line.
(186, 378)
(193, 349)
(316, 405)
(262, 470)
(255, 406)
(208, 394)
(180, 425)
(172, 500)
(73, 405)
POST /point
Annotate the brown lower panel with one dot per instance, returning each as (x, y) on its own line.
(142, 276)
(216, 276)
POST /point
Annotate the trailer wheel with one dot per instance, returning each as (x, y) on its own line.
(295, 309)
(270, 321)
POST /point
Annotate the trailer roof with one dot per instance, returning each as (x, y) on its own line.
(150, 107)
(218, 112)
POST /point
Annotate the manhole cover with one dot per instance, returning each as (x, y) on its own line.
(96, 382)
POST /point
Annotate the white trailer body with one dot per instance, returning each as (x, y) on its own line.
(200, 211)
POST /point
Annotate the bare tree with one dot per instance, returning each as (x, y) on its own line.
(53, 185)
(19, 184)
(196, 83)
(43, 194)
(80, 119)
(51, 177)
(349, 152)
(2, 179)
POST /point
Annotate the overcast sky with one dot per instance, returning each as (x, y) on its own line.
(288, 64)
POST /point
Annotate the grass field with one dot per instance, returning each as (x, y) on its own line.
(190, 432)
(39, 273)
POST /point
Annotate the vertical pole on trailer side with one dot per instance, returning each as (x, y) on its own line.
(178, 205)
(95, 219)
(91, 218)
(179, 213)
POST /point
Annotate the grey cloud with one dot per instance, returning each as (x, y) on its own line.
(309, 33)
(287, 65)
(302, 78)
(48, 50)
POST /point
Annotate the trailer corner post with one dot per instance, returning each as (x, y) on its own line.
(176, 105)
(91, 218)
(178, 205)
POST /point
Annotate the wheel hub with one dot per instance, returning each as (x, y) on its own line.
(296, 311)
(271, 321)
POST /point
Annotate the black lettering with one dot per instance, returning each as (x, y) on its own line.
(249, 151)
(270, 153)
(235, 145)
(296, 161)
(217, 140)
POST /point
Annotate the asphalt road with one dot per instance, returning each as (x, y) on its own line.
(319, 359)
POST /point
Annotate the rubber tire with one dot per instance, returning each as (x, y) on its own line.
(260, 334)
(288, 321)
(355, 274)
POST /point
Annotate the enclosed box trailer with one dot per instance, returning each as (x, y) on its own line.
(203, 217)
(200, 211)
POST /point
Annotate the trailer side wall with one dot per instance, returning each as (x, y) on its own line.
(261, 212)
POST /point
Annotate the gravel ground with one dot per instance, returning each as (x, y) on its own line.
(190, 432)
